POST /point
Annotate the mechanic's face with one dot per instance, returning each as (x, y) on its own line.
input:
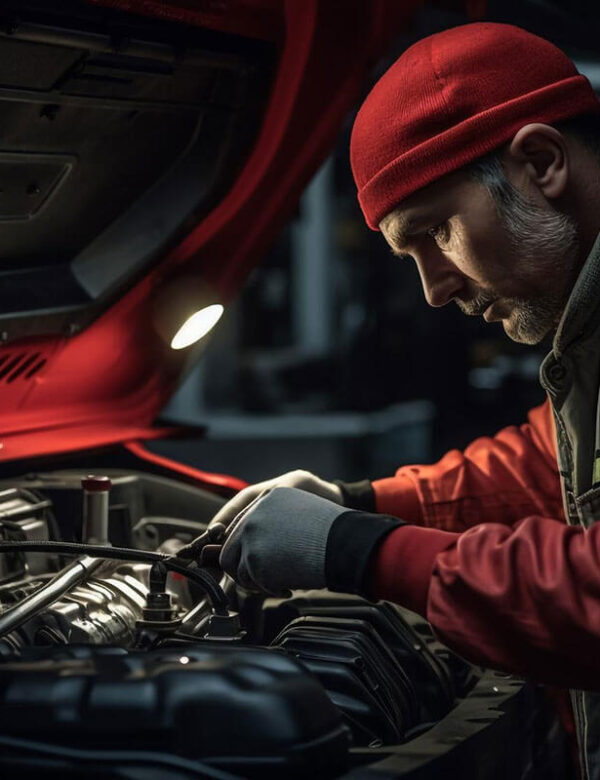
(514, 265)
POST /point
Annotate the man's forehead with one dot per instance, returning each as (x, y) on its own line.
(421, 206)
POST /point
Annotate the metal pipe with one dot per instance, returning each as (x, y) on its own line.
(30, 606)
(218, 598)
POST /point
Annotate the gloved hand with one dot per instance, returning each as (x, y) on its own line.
(279, 540)
(290, 539)
(303, 480)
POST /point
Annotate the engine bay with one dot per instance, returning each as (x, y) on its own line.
(119, 656)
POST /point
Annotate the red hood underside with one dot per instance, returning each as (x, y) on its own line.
(107, 384)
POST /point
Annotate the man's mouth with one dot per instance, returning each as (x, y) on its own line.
(476, 307)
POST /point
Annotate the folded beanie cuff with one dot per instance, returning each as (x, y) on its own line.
(470, 139)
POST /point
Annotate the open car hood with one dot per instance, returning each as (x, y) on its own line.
(149, 152)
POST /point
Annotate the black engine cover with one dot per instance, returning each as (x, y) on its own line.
(243, 709)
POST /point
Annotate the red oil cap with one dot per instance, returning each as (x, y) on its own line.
(96, 484)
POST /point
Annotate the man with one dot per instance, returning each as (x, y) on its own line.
(475, 157)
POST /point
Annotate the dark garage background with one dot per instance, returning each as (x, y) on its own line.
(331, 360)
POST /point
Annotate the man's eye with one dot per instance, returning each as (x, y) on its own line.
(440, 233)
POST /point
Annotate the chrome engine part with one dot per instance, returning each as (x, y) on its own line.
(27, 516)
(103, 610)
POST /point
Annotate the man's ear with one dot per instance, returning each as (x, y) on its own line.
(539, 152)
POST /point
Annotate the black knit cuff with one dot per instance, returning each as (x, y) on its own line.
(357, 495)
(351, 544)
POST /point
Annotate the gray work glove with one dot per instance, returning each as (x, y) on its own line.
(279, 541)
(290, 539)
(303, 480)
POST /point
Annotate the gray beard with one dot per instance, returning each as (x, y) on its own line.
(544, 241)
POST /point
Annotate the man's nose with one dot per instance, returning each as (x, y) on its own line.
(440, 279)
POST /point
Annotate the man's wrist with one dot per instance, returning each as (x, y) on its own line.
(357, 495)
(352, 543)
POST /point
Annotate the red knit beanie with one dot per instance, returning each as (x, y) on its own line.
(449, 99)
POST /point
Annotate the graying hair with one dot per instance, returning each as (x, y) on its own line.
(542, 238)
(519, 213)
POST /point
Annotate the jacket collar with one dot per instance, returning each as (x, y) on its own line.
(580, 314)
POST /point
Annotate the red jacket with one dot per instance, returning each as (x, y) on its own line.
(491, 563)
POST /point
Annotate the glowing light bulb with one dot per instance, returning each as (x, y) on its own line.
(197, 326)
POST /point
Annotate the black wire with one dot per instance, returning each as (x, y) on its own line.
(199, 768)
(212, 589)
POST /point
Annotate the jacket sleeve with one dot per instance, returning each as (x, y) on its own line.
(525, 599)
(499, 479)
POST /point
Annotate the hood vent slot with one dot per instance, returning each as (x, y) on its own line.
(23, 365)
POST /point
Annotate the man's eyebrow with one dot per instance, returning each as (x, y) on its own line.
(404, 226)
(401, 230)
(399, 233)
